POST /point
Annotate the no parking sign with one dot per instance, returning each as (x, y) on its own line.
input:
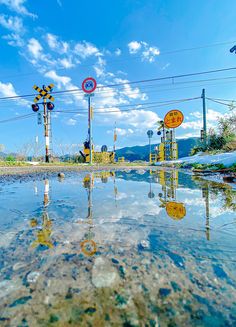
(89, 85)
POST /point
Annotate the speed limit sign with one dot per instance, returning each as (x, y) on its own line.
(89, 85)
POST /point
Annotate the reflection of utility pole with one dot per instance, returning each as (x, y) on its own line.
(205, 192)
(88, 246)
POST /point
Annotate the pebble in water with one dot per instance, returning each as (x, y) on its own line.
(103, 274)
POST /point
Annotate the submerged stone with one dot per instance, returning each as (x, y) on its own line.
(53, 318)
(103, 274)
(90, 310)
(19, 301)
(114, 260)
(164, 292)
(219, 272)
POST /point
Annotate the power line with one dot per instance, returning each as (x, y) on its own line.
(129, 83)
(219, 102)
(16, 118)
(84, 111)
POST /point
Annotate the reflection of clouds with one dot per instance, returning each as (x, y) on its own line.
(195, 202)
(121, 196)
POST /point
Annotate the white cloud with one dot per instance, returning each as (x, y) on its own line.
(118, 52)
(35, 48)
(71, 122)
(8, 90)
(196, 114)
(11, 23)
(196, 125)
(121, 131)
(66, 62)
(213, 115)
(60, 80)
(15, 40)
(148, 52)
(134, 46)
(129, 92)
(65, 82)
(18, 6)
(55, 44)
(85, 49)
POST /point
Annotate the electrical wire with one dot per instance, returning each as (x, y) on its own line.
(128, 83)
(84, 111)
(16, 118)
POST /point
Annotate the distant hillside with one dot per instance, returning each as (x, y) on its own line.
(142, 152)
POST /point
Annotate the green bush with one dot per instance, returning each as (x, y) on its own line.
(10, 158)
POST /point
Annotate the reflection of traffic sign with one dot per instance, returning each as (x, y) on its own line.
(149, 133)
(175, 210)
(173, 118)
(43, 92)
(89, 85)
(88, 247)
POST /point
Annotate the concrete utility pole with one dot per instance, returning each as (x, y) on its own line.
(204, 116)
(45, 115)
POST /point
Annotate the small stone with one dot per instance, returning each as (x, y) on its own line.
(18, 265)
(33, 276)
(145, 244)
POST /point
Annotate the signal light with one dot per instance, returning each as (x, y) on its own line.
(35, 107)
(202, 135)
(50, 106)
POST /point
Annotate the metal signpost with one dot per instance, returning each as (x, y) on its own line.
(150, 134)
(44, 93)
(88, 86)
(168, 149)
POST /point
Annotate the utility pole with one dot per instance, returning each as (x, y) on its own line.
(115, 138)
(204, 116)
(45, 116)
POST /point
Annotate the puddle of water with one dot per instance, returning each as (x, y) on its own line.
(126, 248)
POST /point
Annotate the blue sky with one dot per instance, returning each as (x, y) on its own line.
(64, 41)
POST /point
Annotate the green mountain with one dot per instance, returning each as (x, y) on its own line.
(142, 152)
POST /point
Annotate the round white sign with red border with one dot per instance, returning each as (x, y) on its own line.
(89, 85)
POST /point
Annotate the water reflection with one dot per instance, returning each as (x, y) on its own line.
(123, 248)
(44, 230)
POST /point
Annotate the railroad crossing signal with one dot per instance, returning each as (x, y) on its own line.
(44, 92)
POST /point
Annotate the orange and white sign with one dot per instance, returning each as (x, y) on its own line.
(173, 118)
(175, 210)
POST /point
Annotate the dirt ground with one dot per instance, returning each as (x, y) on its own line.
(28, 170)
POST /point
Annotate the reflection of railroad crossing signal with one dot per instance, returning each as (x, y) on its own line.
(48, 107)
